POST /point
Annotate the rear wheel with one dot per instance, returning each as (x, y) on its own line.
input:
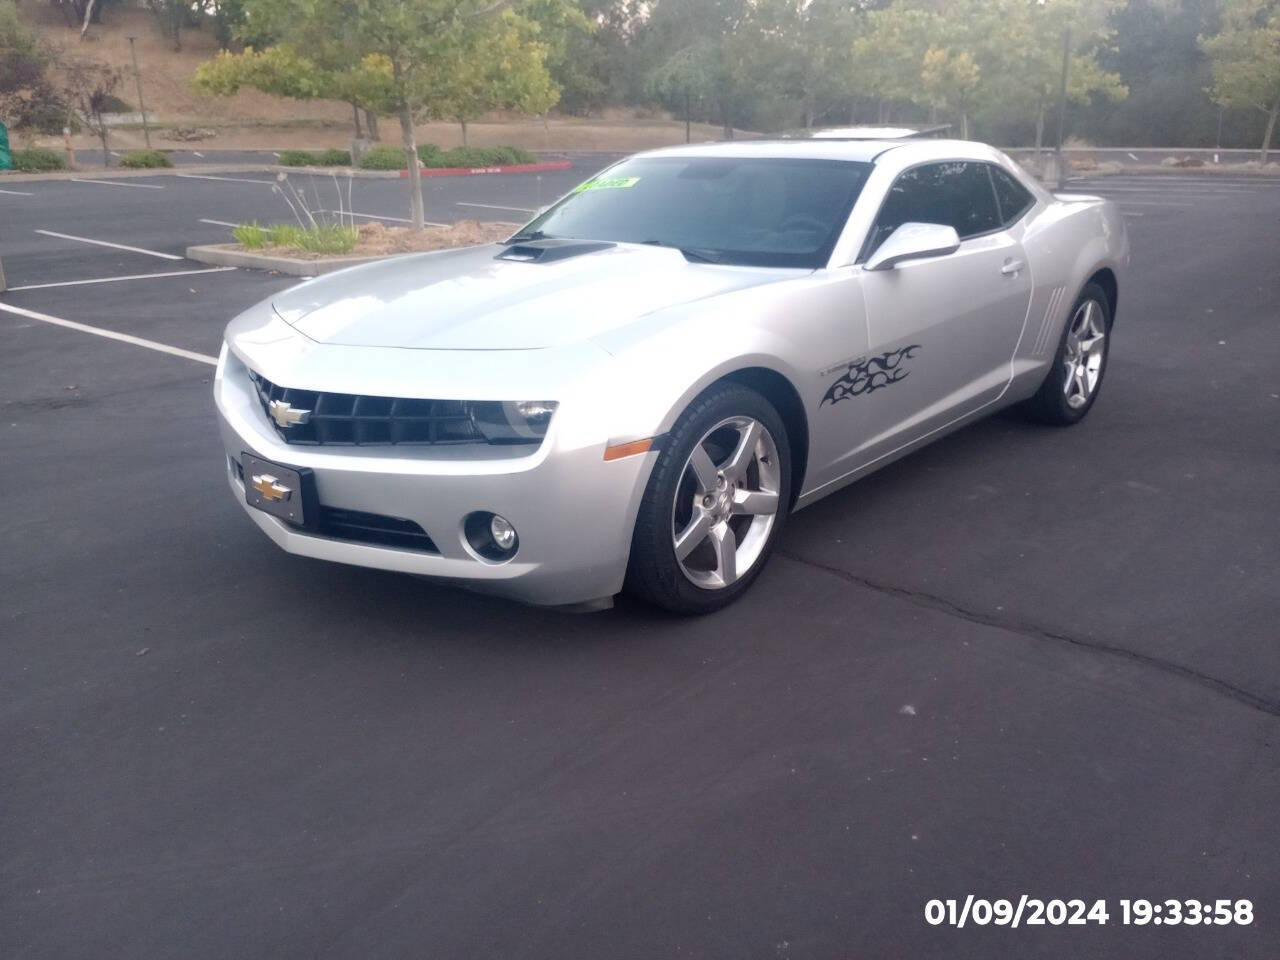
(715, 503)
(1072, 384)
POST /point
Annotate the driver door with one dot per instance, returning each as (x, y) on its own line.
(942, 331)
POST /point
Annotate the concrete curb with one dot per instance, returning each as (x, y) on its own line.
(426, 171)
(115, 173)
(510, 168)
(226, 255)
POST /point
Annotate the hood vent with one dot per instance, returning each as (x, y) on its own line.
(550, 250)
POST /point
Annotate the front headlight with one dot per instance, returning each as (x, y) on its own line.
(520, 421)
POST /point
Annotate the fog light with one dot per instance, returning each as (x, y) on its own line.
(503, 533)
(490, 537)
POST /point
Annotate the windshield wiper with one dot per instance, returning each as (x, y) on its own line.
(701, 255)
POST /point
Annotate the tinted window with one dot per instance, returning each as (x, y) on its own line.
(759, 211)
(1013, 197)
(957, 194)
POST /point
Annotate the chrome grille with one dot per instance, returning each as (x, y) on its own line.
(361, 420)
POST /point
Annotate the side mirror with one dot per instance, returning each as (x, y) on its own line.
(914, 241)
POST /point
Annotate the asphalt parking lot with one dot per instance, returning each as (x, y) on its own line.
(1021, 661)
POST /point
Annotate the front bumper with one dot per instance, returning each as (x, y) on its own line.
(573, 510)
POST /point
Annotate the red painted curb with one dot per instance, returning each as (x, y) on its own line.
(470, 171)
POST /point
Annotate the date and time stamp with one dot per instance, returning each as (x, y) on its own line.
(1028, 911)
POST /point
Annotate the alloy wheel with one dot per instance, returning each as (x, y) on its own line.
(726, 502)
(1085, 353)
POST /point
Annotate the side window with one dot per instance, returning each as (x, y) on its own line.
(956, 193)
(1013, 197)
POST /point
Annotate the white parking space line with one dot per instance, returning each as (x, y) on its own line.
(117, 246)
(135, 276)
(110, 335)
(1125, 202)
(1177, 183)
(496, 206)
(1126, 188)
(218, 223)
(118, 183)
(377, 216)
(1173, 186)
(18, 193)
(205, 176)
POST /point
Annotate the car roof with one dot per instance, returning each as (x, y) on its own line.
(867, 132)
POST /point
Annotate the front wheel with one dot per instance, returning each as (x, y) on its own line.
(1073, 382)
(715, 503)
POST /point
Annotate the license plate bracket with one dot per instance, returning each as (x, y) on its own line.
(287, 493)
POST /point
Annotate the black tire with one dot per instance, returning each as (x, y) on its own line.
(654, 574)
(1051, 403)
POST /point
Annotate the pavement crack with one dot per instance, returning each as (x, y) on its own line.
(933, 602)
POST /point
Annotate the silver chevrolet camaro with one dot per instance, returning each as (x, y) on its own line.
(637, 388)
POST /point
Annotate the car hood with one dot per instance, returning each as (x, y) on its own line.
(470, 300)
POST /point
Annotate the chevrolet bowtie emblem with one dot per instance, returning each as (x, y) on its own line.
(286, 416)
(270, 488)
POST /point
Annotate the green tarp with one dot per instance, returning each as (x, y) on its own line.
(6, 161)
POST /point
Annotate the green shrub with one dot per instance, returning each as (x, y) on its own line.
(37, 159)
(392, 158)
(307, 158)
(296, 158)
(251, 235)
(146, 158)
(430, 155)
(486, 157)
(322, 238)
(384, 158)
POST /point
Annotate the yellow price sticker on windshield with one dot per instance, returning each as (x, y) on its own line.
(607, 183)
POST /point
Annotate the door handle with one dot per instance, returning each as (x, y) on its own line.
(1012, 267)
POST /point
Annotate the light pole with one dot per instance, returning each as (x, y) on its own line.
(1062, 105)
(137, 77)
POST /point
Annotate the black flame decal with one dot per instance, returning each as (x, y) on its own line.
(867, 376)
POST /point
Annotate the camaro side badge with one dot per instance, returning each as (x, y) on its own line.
(865, 375)
(285, 415)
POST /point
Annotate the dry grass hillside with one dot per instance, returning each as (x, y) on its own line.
(253, 119)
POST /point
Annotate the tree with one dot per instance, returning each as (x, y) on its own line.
(950, 80)
(494, 66)
(90, 84)
(709, 47)
(565, 34)
(22, 64)
(1029, 56)
(888, 54)
(81, 13)
(405, 49)
(1245, 54)
(805, 48)
(365, 84)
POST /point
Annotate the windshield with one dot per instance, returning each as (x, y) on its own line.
(775, 212)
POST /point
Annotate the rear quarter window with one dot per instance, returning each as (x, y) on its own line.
(1014, 199)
